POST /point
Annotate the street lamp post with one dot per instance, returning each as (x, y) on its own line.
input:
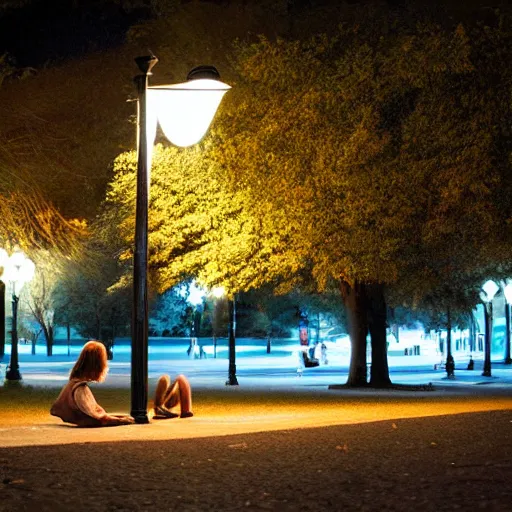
(450, 362)
(507, 289)
(17, 271)
(232, 380)
(184, 112)
(219, 292)
(489, 290)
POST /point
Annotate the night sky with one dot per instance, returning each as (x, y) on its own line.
(41, 32)
(47, 31)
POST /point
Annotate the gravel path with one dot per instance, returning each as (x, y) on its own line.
(456, 462)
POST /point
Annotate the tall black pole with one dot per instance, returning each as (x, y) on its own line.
(13, 370)
(450, 363)
(487, 339)
(508, 360)
(2, 320)
(139, 375)
(232, 380)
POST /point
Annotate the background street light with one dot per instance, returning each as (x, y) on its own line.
(507, 290)
(232, 380)
(17, 271)
(219, 292)
(489, 290)
(184, 112)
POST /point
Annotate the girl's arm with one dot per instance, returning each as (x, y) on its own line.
(86, 402)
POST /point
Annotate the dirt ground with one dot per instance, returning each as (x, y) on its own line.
(451, 462)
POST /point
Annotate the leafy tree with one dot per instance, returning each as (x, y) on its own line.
(386, 165)
(41, 297)
(392, 161)
(167, 315)
(90, 294)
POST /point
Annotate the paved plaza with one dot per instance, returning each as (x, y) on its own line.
(278, 441)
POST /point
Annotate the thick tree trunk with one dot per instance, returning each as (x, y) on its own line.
(48, 336)
(377, 317)
(355, 303)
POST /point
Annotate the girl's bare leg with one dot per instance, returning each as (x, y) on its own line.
(168, 396)
(185, 396)
(163, 395)
(161, 390)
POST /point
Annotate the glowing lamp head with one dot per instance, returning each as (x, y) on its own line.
(508, 292)
(185, 111)
(490, 288)
(18, 270)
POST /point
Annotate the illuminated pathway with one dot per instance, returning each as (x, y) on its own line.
(237, 410)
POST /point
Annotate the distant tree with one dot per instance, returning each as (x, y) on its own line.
(42, 294)
(167, 314)
(90, 294)
(387, 175)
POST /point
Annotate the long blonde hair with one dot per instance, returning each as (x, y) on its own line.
(91, 364)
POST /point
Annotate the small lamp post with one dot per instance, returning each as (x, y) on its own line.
(489, 290)
(232, 380)
(507, 290)
(219, 292)
(184, 112)
(19, 269)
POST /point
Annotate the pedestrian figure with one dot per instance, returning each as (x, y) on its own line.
(193, 350)
(324, 354)
(471, 364)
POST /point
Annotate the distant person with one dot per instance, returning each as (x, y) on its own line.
(193, 350)
(323, 355)
(76, 403)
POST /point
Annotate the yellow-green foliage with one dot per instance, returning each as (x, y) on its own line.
(197, 225)
(368, 157)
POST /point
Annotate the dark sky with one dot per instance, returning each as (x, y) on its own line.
(46, 31)
(42, 32)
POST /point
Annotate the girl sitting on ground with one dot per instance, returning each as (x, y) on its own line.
(76, 403)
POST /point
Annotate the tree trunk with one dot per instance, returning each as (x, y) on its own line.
(48, 336)
(98, 327)
(377, 317)
(355, 303)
